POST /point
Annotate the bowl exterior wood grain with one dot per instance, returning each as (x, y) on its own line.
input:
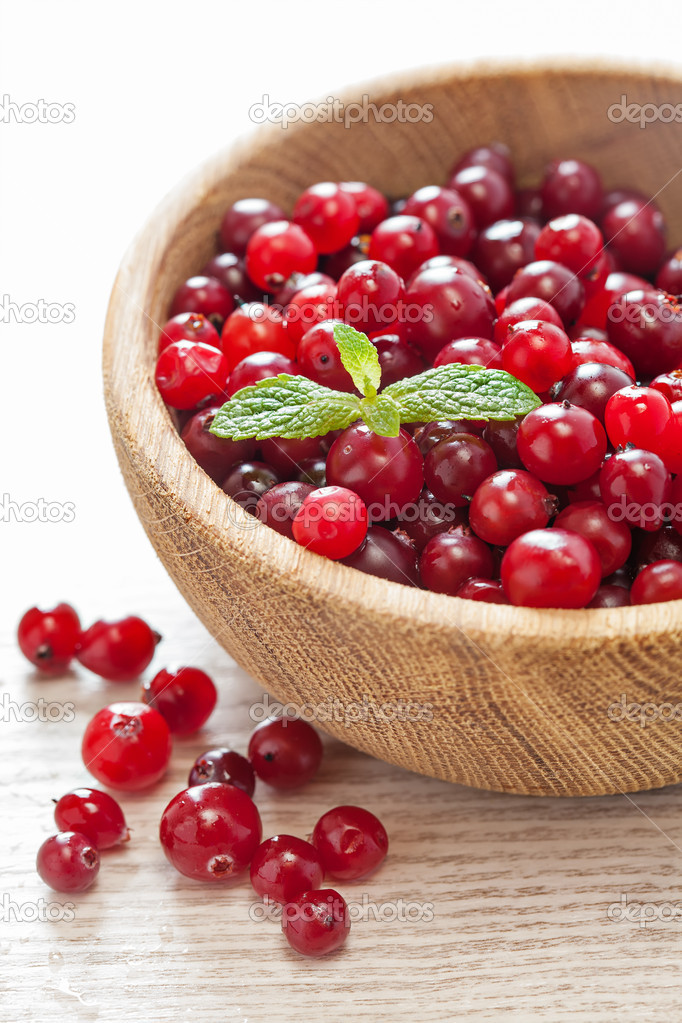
(496, 697)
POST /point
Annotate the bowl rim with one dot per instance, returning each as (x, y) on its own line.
(278, 556)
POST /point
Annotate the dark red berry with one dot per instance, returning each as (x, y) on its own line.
(658, 582)
(385, 555)
(317, 922)
(285, 752)
(259, 366)
(509, 503)
(215, 455)
(449, 559)
(284, 867)
(68, 862)
(351, 841)
(224, 766)
(386, 472)
(551, 568)
(243, 218)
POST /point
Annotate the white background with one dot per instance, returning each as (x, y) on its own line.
(156, 88)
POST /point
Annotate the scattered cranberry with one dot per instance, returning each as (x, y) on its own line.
(352, 842)
(68, 862)
(552, 282)
(284, 867)
(636, 488)
(210, 832)
(48, 639)
(456, 466)
(317, 922)
(285, 752)
(571, 186)
(118, 651)
(224, 766)
(503, 248)
(635, 233)
(572, 240)
(94, 814)
(521, 310)
(127, 746)
(458, 307)
(639, 416)
(185, 697)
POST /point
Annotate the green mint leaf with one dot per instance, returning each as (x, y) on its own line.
(381, 414)
(458, 391)
(359, 357)
(285, 406)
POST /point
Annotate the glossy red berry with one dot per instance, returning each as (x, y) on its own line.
(386, 472)
(587, 349)
(189, 373)
(189, 327)
(244, 217)
(94, 814)
(551, 568)
(658, 582)
(571, 186)
(449, 559)
(284, 867)
(387, 556)
(488, 194)
(503, 248)
(319, 358)
(572, 240)
(397, 357)
(371, 206)
(669, 384)
(317, 922)
(331, 521)
(285, 455)
(279, 505)
(497, 156)
(561, 443)
(224, 766)
(118, 651)
(521, 310)
(403, 243)
(647, 326)
(635, 486)
(456, 466)
(328, 215)
(277, 250)
(470, 351)
(68, 862)
(259, 366)
(185, 697)
(310, 305)
(485, 590)
(457, 305)
(590, 385)
(215, 455)
(351, 841)
(371, 295)
(248, 481)
(210, 832)
(639, 416)
(591, 519)
(230, 270)
(285, 752)
(635, 233)
(127, 746)
(255, 328)
(48, 639)
(553, 283)
(509, 503)
(204, 295)
(448, 214)
(669, 276)
(537, 353)
(611, 595)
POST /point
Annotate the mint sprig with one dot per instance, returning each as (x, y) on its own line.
(294, 407)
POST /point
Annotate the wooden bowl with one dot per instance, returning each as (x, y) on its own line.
(503, 698)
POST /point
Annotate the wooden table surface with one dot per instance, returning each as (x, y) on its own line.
(488, 906)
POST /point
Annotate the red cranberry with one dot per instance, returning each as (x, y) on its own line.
(590, 385)
(403, 243)
(259, 366)
(68, 862)
(509, 503)
(185, 697)
(386, 472)
(571, 186)
(449, 559)
(503, 248)
(255, 328)
(243, 218)
(204, 295)
(561, 443)
(189, 327)
(456, 466)
(471, 351)
(489, 194)
(497, 156)
(572, 240)
(317, 922)
(284, 867)
(458, 307)
(331, 521)
(370, 295)
(383, 554)
(537, 353)
(635, 233)
(352, 842)
(553, 283)
(248, 481)
(224, 766)
(371, 206)
(127, 746)
(523, 309)
(93, 814)
(647, 326)
(310, 305)
(591, 519)
(319, 358)
(658, 582)
(551, 568)
(638, 416)
(285, 752)
(328, 215)
(215, 455)
(486, 590)
(609, 595)
(118, 651)
(586, 349)
(275, 251)
(636, 488)
(189, 373)
(397, 357)
(448, 214)
(279, 505)
(48, 639)
(230, 270)
(429, 517)
(669, 277)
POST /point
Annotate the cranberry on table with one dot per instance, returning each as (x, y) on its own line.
(351, 841)
(188, 327)
(571, 186)
(230, 270)
(636, 488)
(397, 358)
(319, 358)
(561, 443)
(331, 521)
(284, 867)
(509, 503)
(489, 194)
(503, 248)
(635, 233)
(590, 385)
(403, 243)
(259, 366)
(537, 353)
(458, 307)
(488, 591)
(68, 862)
(275, 251)
(328, 215)
(317, 922)
(189, 373)
(210, 832)
(647, 326)
(552, 282)
(48, 639)
(449, 559)
(248, 481)
(243, 218)
(204, 295)
(449, 216)
(225, 766)
(127, 746)
(118, 651)
(285, 752)
(370, 295)
(455, 467)
(551, 568)
(587, 349)
(185, 697)
(470, 351)
(95, 815)
(383, 554)
(285, 455)
(639, 416)
(215, 455)
(591, 519)
(255, 327)
(386, 472)
(658, 582)
(371, 206)
(279, 505)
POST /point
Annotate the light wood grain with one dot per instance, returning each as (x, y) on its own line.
(520, 698)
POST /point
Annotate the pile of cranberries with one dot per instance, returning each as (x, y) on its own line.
(568, 287)
(211, 831)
